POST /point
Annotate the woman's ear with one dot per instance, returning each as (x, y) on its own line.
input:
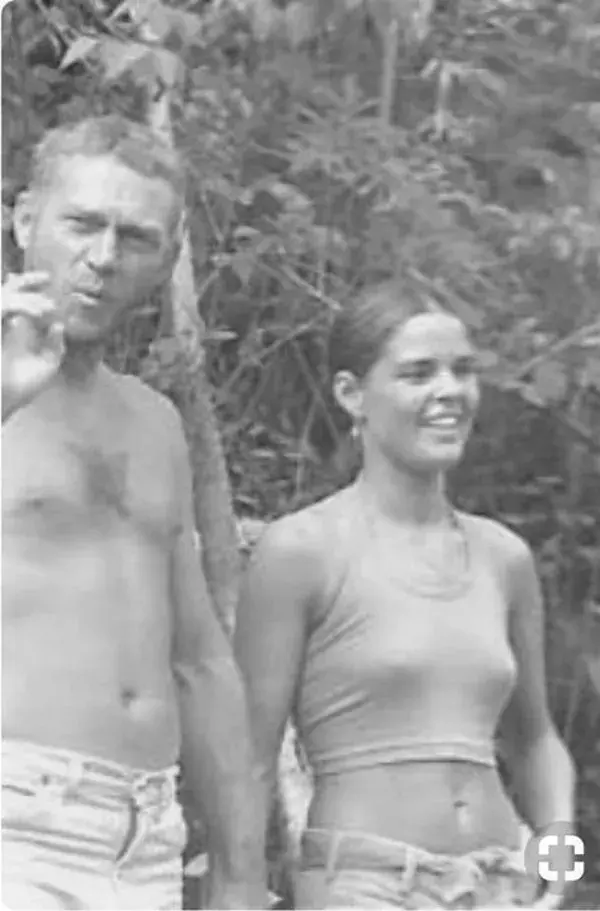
(23, 219)
(348, 393)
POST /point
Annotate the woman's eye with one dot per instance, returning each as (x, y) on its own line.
(417, 373)
(467, 368)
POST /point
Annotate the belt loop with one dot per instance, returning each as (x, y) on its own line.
(153, 791)
(75, 773)
(332, 853)
(170, 787)
(411, 861)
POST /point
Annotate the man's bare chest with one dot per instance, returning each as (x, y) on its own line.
(59, 481)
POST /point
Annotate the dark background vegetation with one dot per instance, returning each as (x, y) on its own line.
(472, 176)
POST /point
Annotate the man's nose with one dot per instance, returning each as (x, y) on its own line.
(103, 251)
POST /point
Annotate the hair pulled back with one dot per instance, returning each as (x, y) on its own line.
(362, 328)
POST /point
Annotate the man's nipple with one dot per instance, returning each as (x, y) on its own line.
(128, 695)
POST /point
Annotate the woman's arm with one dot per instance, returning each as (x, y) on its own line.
(278, 589)
(540, 766)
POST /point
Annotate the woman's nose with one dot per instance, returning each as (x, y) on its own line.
(448, 384)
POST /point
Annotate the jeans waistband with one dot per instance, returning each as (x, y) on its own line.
(339, 849)
(27, 765)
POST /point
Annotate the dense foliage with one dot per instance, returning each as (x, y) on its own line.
(468, 166)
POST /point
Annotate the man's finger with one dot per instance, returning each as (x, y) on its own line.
(20, 336)
(56, 340)
(28, 280)
(35, 306)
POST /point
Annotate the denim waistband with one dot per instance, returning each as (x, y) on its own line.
(27, 765)
(339, 849)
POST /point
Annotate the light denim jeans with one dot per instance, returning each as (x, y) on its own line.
(357, 870)
(82, 833)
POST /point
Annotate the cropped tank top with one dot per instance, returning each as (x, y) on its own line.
(399, 670)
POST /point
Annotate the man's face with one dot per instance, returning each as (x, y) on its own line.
(106, 237)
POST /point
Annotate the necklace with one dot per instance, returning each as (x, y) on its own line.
(438, 560)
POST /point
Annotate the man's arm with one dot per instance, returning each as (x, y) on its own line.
(216, 743)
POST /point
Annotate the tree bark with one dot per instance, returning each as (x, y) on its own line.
(214, 516)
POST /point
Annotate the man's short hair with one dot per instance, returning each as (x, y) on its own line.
(133, 144)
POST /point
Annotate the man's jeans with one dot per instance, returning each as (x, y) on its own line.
(357, 870)
(82, 833)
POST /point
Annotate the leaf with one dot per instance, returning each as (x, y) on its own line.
(220, 335)
(168, 66)
(300, 22)
(166, 351)
(551, 381)
(488, 359)
(119, 56)
(290, 196)
(81, 48)
(592, 664)
(246, 232)
(7, 217)
(197, 867)
(243, 264)
(591, 371)
(495, 84)
(187, 26)
(221, 186)
(157, 18)
(265, 19)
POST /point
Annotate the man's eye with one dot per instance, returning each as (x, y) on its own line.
(135, 241)
(83, 224)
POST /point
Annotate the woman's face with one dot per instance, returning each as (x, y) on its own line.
(419, 400)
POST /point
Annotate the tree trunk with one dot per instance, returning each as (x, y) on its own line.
(212, 498)
(213, 509)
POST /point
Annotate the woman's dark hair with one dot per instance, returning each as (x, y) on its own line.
(362, 327)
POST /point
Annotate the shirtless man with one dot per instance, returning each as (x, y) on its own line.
(114, 663)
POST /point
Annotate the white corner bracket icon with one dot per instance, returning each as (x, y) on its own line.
(548, 872)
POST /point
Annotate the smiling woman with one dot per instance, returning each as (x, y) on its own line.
(400, 633)
(420, 392)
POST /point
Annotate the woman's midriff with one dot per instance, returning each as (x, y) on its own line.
(443, 807)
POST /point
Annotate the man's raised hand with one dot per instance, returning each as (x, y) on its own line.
(32, 340)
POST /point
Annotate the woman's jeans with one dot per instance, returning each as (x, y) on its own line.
(357, 870)
(82, 833)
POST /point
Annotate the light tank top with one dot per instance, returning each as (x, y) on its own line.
(401, 667)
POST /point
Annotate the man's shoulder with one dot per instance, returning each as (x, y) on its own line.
(145, 402)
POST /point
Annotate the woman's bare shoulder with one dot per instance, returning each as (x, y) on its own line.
(506, 547)
(305, 533)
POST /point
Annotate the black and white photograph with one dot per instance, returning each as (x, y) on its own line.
(300, 455)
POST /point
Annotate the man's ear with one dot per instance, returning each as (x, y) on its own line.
(174, 253)
(23, 219)
(169, 261)
(348, 393)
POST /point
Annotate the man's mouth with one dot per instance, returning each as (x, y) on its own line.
(89, 293)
